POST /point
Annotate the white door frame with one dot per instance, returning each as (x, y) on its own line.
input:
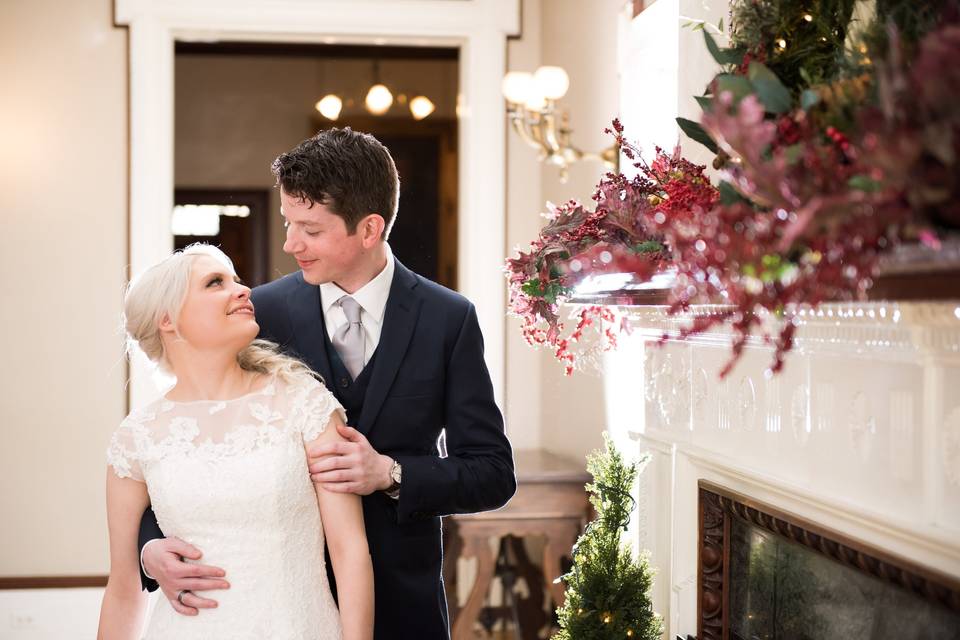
(478, 27)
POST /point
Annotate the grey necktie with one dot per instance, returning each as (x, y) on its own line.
(348, 339)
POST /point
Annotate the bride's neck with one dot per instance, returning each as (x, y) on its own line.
(210, 379)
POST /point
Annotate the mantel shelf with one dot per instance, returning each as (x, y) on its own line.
(912, 273)
(928, 284)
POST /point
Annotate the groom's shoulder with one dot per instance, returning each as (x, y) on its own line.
(435, 293)
(276, 291)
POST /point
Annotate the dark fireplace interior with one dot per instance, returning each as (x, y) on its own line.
(765, 575)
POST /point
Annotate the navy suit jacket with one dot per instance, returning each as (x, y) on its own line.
(429, 376)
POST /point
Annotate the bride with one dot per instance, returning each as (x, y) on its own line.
(221, 458)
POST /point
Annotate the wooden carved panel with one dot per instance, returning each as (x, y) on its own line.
(710, 572)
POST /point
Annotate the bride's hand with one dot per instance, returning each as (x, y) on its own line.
(349, 466)
(163, 559)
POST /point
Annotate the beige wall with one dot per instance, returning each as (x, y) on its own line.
(545, 409)
(584, 42)
(523, 410)
(63, 205)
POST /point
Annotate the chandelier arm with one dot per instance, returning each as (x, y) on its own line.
(545, 127)
(534, 124)
(551, 137)
(610, 157)
(519, 122)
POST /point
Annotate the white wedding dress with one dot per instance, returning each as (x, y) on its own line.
(231, 479)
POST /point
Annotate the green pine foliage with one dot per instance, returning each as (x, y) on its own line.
(805, 42)
(801, 42)
(608, 590)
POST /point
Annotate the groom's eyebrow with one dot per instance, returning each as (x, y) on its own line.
(305, 223)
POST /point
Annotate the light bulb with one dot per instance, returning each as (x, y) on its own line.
(552, 82)
(421, 107)
(329, 106)
(536, 101)
(516, 86)
(379, 100)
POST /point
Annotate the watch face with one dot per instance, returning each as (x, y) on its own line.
(395, 472)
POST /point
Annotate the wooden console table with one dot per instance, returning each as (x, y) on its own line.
(550, 502)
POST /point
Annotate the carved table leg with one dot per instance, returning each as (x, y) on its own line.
(532, 616)
(560, 543)
(479, 547)
(452, 546)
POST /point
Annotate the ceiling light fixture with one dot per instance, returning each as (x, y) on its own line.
(378, 100)
(330, 106)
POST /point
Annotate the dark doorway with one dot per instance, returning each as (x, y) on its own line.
(238, 105)
(244, 238)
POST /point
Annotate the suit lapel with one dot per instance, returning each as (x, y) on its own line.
(399, 322)
(306, 319)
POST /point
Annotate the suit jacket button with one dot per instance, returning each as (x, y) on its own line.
(344, 382)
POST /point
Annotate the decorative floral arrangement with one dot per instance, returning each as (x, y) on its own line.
(832, 148)
(616, 237)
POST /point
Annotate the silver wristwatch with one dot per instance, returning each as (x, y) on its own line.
(395, 475)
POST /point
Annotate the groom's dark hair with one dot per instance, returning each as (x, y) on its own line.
(348, 171)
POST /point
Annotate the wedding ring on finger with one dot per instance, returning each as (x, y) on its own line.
(180, 595)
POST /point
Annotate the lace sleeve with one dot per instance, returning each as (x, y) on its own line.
(122, 453)
(314, 406)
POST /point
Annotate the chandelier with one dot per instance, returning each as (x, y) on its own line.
(535, 116)
(377, 102)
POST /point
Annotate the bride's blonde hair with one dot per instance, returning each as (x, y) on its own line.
(160, 292)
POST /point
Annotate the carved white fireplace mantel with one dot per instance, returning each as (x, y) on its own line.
(860, 432)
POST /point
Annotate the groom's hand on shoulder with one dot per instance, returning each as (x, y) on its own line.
(349, 465)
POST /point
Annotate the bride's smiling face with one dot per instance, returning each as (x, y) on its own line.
(217, 312)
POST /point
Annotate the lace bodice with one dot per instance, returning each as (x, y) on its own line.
(230, 477)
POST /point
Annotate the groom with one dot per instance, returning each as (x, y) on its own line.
(405, 358)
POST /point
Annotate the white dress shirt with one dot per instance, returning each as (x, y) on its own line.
(372, 298)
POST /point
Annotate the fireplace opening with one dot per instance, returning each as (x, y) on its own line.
(765, 575)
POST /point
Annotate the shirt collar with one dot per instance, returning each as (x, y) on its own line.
(372, 297)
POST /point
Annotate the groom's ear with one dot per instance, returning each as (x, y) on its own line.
(371, 229)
